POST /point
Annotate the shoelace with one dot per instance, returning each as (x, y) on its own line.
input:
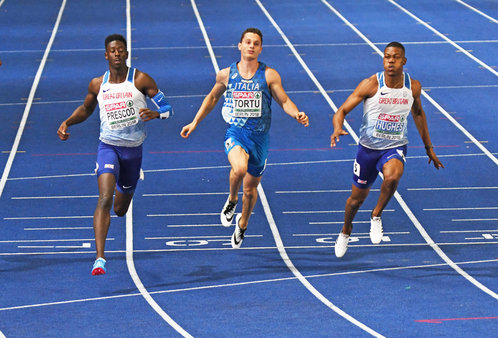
(229, 208)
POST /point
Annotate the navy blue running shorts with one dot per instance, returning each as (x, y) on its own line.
(369, 163)
(123, 162)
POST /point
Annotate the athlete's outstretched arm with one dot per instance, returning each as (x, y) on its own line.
(367, 88)
(421, 124)
(81, 113)
(280, 96)
(146, 84)
(209, 102)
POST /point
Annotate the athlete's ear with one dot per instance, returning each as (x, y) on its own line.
(106, 55)
(404, 61)
(239, 45)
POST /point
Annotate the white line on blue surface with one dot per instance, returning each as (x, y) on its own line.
(267, 209)
(207, 287)
(444, 37)
(136, 279)
(34, 87)
(477, 11)
(129, 226)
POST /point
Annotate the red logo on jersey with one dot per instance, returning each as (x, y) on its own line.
(243, 95)
(115, 106)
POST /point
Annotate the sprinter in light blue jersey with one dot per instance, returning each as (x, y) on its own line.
(388, 97)
(250, 86)
(120, 94)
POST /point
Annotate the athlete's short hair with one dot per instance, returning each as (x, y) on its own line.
(252, 30)
(395, 44)
(114, 37)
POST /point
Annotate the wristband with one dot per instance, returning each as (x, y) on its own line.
(429, 147)
(163, 107)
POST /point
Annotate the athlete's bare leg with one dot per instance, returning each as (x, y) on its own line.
(102, 214)
(353, 204)
(238, 159)
(249, 198)
(392, 171)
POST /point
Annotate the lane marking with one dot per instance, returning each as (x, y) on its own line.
(400, 245)
(477, 11)
(227, 166)
(473, 219)
(444, 37)
(189, 96)
(51, 229)
(34, 87)
(136, 279)
(451, 188)
(129, 224)
(398, 197)
(266, 206)
(208, 287)
(460, 209)
(328, 211)
(344, 44)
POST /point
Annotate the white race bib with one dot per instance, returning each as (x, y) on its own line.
(247, 103)
(120, 115)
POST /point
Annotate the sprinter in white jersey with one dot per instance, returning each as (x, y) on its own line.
(120, 94)
(388, 97)
(250, 85)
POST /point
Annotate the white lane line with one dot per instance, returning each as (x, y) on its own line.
(186, 194)
(451, 188)
(297, 273)
(465, 231)
(206, 37)
(477, 11)
(225, 167)
(293, 247)
(136, 279)
(51, 197)
(289, 91)
(316, 191)
(473, 219)
(183, 215)
(62, 228)
(460, 209)
(356, 233)
(444, 37)
(328, 211)
(398, 197)
(34, 87)
(434, 103)
(129, 225)
(193, 225)
(48, 217)
(344, 44)
(52, 240)
(274, 280)
(267, 209)
(210, 238)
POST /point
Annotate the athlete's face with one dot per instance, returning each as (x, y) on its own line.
(116, 54)
(394, 60)
(251, 46)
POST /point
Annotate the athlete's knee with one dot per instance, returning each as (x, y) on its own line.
(250, 192)
(239, 170)
(391, 183)
(121, 210)
(355, 202)
(105, 201)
